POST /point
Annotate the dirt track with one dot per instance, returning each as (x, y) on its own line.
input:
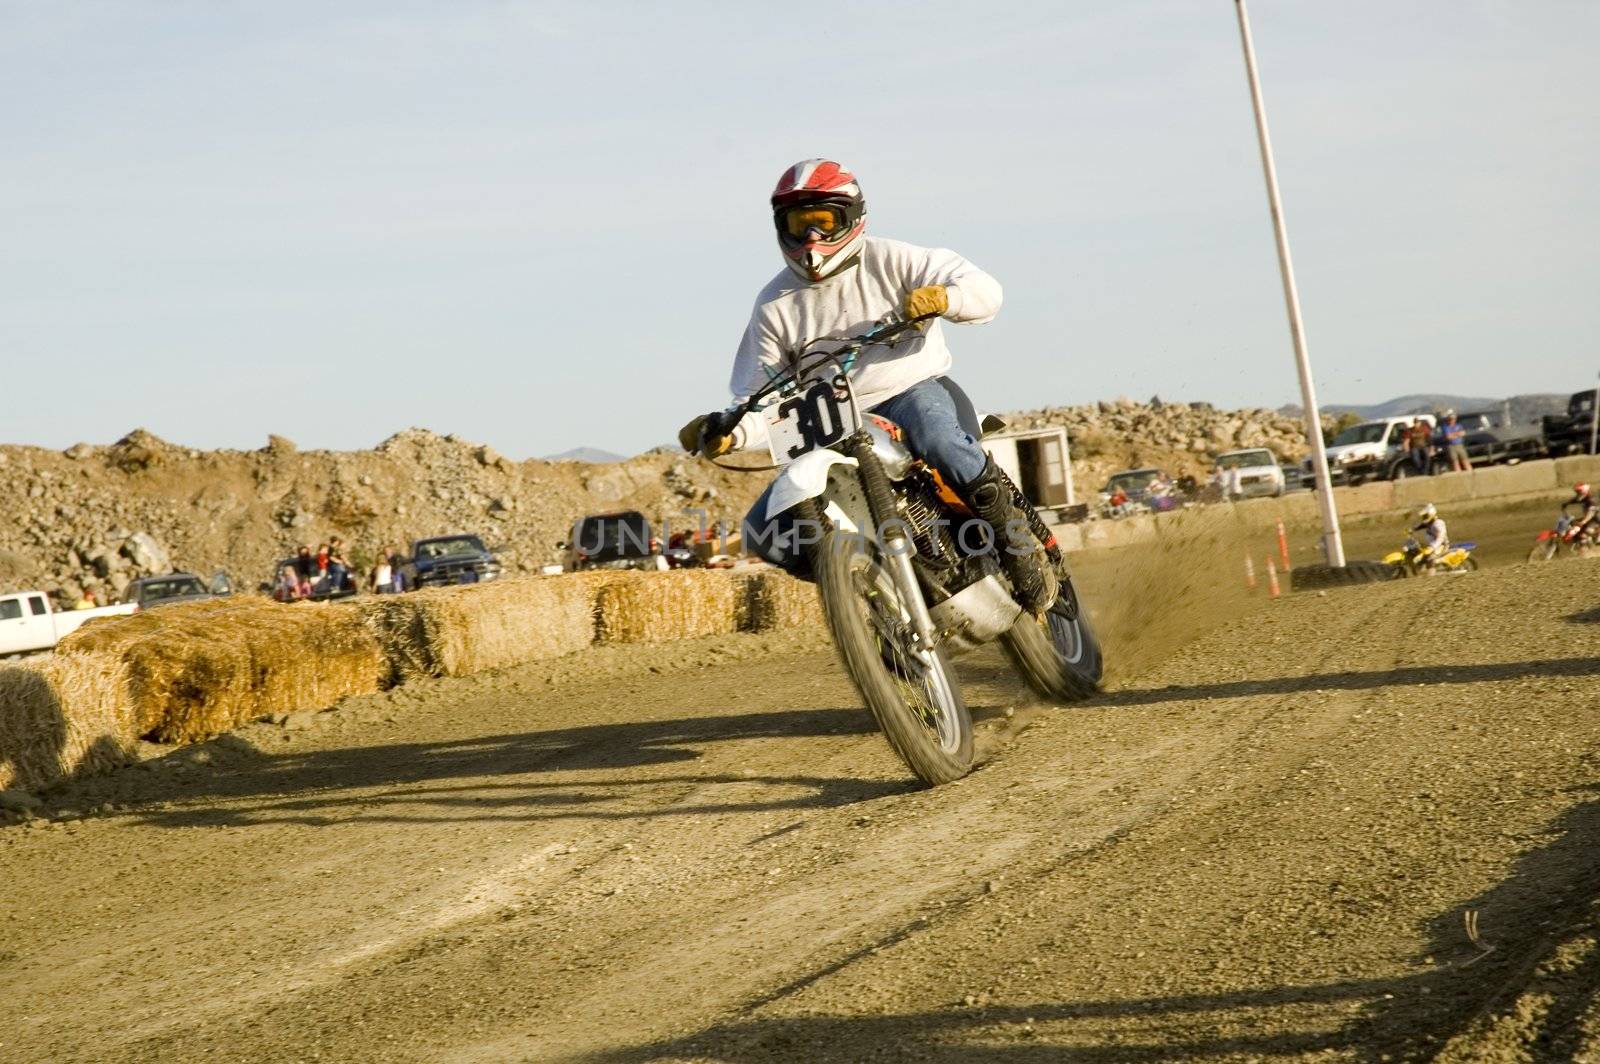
(1261, 846)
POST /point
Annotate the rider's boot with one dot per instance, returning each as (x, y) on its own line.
(1033, 578)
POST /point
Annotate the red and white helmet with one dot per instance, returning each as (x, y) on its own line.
(820, 216)
(1581, 488)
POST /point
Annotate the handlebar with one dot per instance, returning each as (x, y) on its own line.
(722, 422)
(882, 332)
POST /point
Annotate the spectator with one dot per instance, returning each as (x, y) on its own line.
(85, 600)
(290, 587)
(1455, 443)
(397, 565)
(381, 581)
(1227, 482)
(319, 571)
(305, 566)
(1421, 446)
(339, 578)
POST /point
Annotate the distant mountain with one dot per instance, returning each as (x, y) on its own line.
(1524, 408)
(586, 454)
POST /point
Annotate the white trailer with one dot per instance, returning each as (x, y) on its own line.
(1038, 460)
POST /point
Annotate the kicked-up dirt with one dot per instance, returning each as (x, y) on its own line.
(1357, 826)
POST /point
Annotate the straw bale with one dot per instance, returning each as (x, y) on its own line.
(661, 607)
(199, 670)
(777, 601)
(62, 717)
(458, 631)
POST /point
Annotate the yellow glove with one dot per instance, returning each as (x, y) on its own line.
(715, 446)
(929, 299)
(689, 435)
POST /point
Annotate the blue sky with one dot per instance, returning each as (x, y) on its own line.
(542, 225)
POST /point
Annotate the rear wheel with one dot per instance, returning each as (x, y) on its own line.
(911, 690)
(1057, 654)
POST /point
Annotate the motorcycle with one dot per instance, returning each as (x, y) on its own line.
(1411, 560)
(902, 592)
(1565, 534)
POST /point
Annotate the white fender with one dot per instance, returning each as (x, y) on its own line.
(804, 478)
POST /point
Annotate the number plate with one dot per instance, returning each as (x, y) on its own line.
(808, 421)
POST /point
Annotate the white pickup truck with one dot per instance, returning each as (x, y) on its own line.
(28, 623)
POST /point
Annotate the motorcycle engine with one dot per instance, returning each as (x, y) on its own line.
(928, 521)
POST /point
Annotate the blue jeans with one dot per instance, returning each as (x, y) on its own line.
(940, 427)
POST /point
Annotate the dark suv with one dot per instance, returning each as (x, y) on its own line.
(1571, 432)
(152, 591)
(620, 540)
(445, 560)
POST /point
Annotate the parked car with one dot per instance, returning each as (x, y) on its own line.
(29, 622)
(1140, 486)
(1365, 451)
(1571, 432)
(621, 540)
(1249, 473)
(151, 591)
(456, 559)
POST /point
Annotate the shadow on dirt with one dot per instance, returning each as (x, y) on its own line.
(1591, 616)
(1547, 900)
(1357, 681)
(495, 777)
(1522, 922)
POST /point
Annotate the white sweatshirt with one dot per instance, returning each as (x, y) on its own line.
(790, 312)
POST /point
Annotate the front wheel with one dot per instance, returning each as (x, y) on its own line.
(1544, 550)
(1057, 654)
(911, 690)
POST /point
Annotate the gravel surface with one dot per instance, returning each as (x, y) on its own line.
(1354, 826)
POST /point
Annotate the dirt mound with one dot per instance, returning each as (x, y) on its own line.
(103, 515)
(1176, 437)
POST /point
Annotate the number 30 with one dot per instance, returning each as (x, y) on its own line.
(816, 419)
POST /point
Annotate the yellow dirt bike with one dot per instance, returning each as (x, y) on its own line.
(1414, 560)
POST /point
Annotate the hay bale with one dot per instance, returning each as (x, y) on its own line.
(458, 631)
(63, 716)
(777, 601)
(199, 670)
(660, 607)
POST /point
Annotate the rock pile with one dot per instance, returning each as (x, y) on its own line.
(103, 515)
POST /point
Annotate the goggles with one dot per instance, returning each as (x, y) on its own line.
(826, 218)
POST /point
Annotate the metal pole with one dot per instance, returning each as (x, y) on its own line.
(1332, 545)
(1594, 419)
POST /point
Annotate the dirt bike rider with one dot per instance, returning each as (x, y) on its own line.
(1435, 540)
(1585, 527)
(837, 281)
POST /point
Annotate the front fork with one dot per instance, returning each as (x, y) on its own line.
(892, 536)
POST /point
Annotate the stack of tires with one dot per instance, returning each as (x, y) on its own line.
(1316, 577)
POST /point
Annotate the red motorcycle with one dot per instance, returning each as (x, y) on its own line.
(1565, 534)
